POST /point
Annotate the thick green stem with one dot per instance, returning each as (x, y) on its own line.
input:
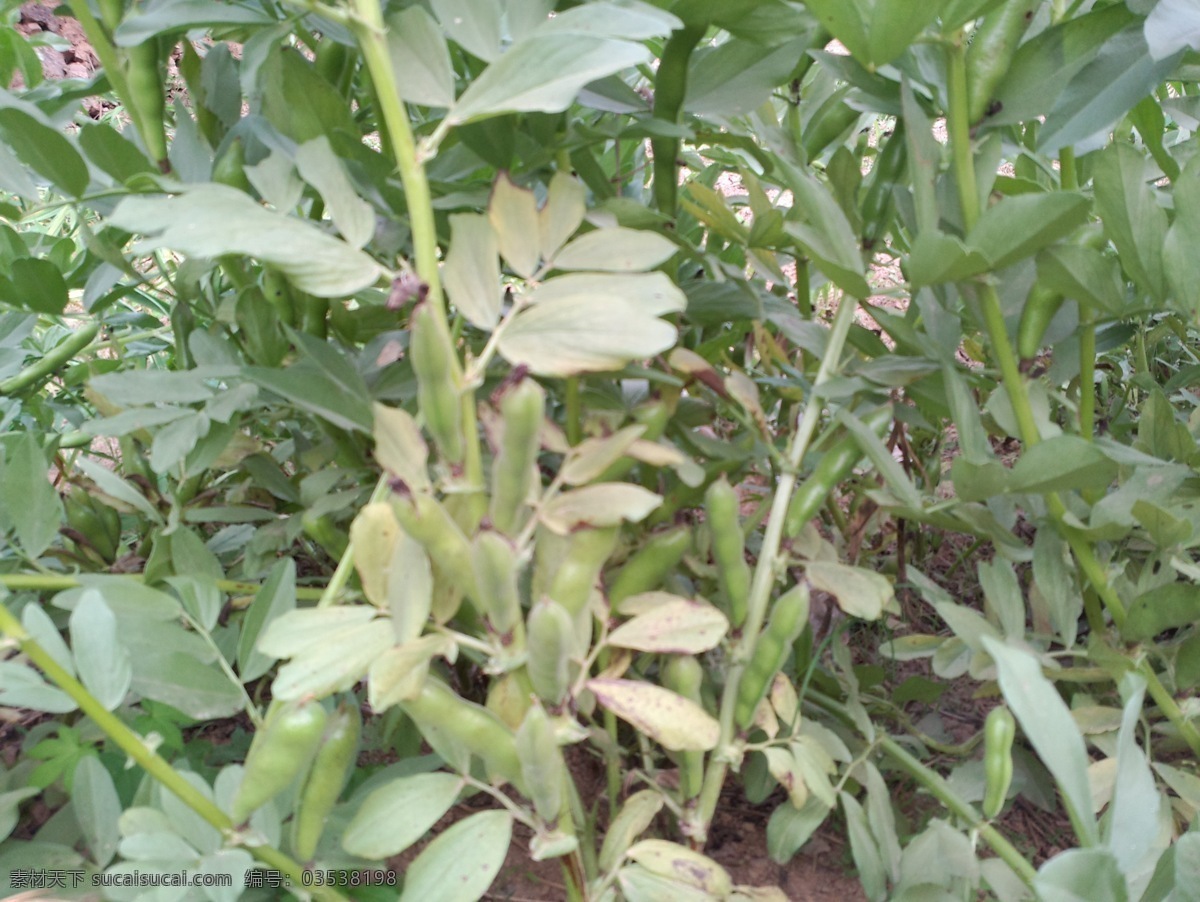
(670, 86)
(36, 373)
(157, 767)
(769, 560)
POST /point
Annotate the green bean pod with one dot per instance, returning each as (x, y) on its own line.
(438, 382)
(647, 569)
(683, 674)
(427, 521)
(278, 292)
(143, 75)
(45, 367)
(721, 505)
(878, 202)
(451, 723)
(789, 615)
(495, 564)
(551, 642)
(993, 45)
(835, 465)
(1040, 307)
(999, 731)
(280, 752)
(326, 779)
(513, 471)
(542, 763)
(579, 571)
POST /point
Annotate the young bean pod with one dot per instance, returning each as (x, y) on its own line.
(427, 521)
(513, 471)
(789, 615)
(683, 674)
(495, 564)
(993, 45)
(542, 763)
(729, 548)
(576, 577)
(551, 642)
(438, 388)
(999, 730)
(1040, 307)
(326, 779)
(450, 723)
(280, 752)
(647, 569)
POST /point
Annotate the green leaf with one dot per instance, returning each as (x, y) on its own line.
(1105, 90)
(1017, 227)
(174, 16)
(1136, 811)
(44, 150)
(113, 153)
(399, 446)
(101, 660)
(1165, 607)
(399, 813)
(44, 631)
(210, 221)
(846, 21)
(892, 26)
(461, 863)
(23, 687)
(323, 382)
(544, 73)
(1060, 464)
(275, 598)
(669, 719)
(320, 167)
(1172, 26)
(97, 808)
(738, 76)
(1180, 260)
(863, 847)
(1081, 875)
(472, 24)
(472, 269)
(1052, 574)
(825, 233)
(1085, 274)
(1046, 721)
(420, 58)
(636, 814)
(32, 504)
(34, 284)
(179, 679)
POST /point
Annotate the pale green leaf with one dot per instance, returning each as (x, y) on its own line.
(636, 814)
(859, 592)
(420, 58)
(23, 687)
(461, 863)
(472, 24)
(398, 674)
(605, 504)
(211, 221)
(275, 598)
(544, 73)
(101, 659)
(399, 813)
(616, 249)
(320, 167)
(399, 446)
(97, 808)
(513, 213)
(472, 269)
(34, 507)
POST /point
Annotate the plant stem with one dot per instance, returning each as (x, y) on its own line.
(938, 787)
(35, 582)
(1087, 372)
(768, 562)
(157, 767)
(45, 367)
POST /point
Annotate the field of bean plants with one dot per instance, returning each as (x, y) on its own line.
(600, 450)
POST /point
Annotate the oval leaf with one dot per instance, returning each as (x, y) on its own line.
(680, 627)
(616, 250)
(397, 814)
(669, 719)
(606, 504)
(461, 863)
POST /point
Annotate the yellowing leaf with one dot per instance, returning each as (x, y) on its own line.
(400, 447)
(513, 214)
(680, 626)
(374, 533)
(669, 719)
(670, 859)
(606, 504)
(860, 593)
(398, 674)
(566, 204)
(591, 457)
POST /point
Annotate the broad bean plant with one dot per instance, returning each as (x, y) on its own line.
(406, 404)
